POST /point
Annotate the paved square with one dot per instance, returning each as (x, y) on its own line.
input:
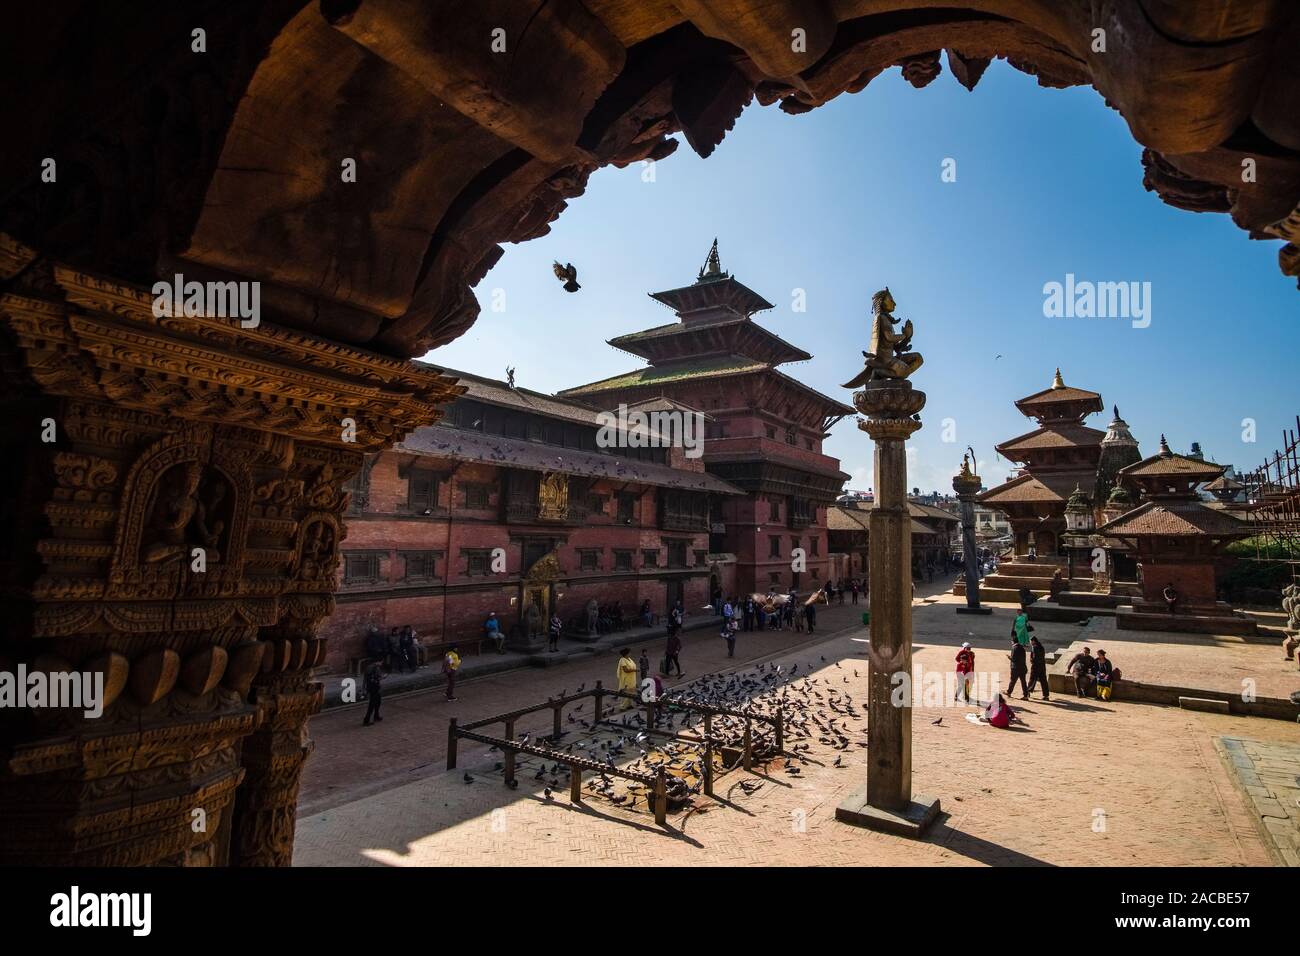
(1079, 783)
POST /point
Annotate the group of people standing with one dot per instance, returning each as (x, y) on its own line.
(1029, 660)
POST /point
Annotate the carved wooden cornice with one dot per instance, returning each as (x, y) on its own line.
(81, 336)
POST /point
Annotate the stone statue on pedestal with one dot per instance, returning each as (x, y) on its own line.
(889, 357)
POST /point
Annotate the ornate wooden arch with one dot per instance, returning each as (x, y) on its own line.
(459, 147)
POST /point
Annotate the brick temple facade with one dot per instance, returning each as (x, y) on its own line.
(766, 431)
(510, 503)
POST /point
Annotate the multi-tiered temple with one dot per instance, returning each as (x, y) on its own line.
(1057, 458)
(1178, 540)
(767, 428)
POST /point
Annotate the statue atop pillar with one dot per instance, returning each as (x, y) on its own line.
(889, 358)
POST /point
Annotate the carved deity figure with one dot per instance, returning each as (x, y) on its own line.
(318, 552)
(889, 357)
(172, 511)
(533, 619)
(553, 496)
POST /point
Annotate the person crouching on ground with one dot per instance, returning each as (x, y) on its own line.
(626, 674)
(999, 713)
(965, 671)
(1105, 674)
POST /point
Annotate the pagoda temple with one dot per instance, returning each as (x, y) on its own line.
(1060, 455)
(1178, 539)
(765, 431)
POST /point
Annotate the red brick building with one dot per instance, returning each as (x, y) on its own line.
(766, 432)
(510, 503)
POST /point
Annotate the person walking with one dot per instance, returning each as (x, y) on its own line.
(626, 675)
(965, 671)
(1105, 674)
(749, 613)
(729, 635)
(1037, 667)
(553, 634)
(673, 649)
(374, 692)
(450, 668)
(728, 611)
(854, 587)
(1021, 628)
(1018, 670)
(810, 615)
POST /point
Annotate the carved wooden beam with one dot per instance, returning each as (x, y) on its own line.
(528, 72)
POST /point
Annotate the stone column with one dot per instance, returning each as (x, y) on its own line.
(967, 486)
(887, 802)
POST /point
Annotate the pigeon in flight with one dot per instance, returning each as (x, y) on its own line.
(568, 275)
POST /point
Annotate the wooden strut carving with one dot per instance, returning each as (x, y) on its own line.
(188, 552)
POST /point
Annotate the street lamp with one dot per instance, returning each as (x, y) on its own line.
(967, 485)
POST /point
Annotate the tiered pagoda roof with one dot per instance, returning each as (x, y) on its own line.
(714, 337)
(1173, 509)
(1051, 452)
(1060, 402)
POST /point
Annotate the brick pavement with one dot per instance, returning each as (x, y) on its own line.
(352, 761)
(1084, 783)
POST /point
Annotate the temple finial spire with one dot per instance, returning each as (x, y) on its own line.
(1057, 381)
(712, 265)
(1164, 448)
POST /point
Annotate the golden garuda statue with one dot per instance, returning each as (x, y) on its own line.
(889, 357)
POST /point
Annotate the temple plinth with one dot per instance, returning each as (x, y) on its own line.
(889, 407)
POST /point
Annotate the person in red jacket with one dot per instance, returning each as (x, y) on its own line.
(965, 671)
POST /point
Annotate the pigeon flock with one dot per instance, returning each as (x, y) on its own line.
(816, 709)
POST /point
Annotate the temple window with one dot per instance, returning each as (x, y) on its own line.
(589, 559)
(650, 558)
(361, 568)
(774, 546)
(420, 565)
(676, 554)
(422, 490)
(622, 560)
(476, 496)
(478, 561)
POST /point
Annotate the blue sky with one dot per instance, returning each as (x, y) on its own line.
(848, 198)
